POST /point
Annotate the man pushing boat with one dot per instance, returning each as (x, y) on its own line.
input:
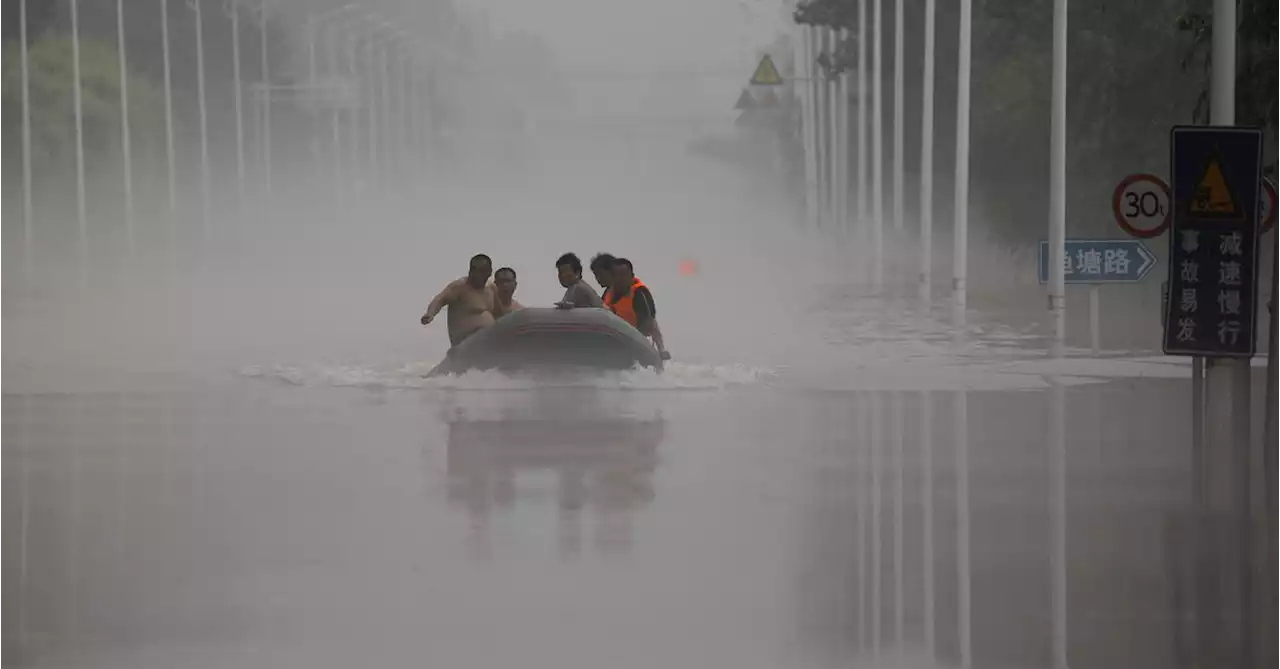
(470, 301)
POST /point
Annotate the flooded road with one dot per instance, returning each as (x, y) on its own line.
(241, 466)
(243, 523)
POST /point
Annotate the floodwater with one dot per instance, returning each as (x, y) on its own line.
(241, 466)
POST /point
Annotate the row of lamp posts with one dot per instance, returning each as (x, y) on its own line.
(390, 150)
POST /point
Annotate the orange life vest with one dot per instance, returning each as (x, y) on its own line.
(625, 307)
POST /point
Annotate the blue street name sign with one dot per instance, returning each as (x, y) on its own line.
(1213, 241)
(1101, 261)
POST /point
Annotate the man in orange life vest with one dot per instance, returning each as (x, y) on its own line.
(631, 300)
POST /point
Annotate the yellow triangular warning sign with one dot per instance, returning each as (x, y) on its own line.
(766, 74)
(1213, 197)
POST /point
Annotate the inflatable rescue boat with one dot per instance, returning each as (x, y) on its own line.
(549, 338)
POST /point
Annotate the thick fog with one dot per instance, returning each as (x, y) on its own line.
(223, 448)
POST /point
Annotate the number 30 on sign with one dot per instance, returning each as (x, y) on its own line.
(1141, 205)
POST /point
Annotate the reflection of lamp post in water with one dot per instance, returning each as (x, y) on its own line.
(960, 431)
(926, 492)
(897, 427)
(1058, 522)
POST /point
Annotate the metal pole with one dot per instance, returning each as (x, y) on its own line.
(877, 145)
(810, 131)
(168, 107)
(354, 113)
(311, 84)
(1095, 335)
(926, 156)
(864, 190)
(1058, 177)
(846, 184)
(236, 88)
(266, 99)
(412, 112)
(960, 250)
(372, 173)
(820, 124)
(204, 117)
(126, 149)
(384, 68)
(335, 124)
(835, 137)
(1227, 384)
(28, 206)
(82, 220)
(898, 118)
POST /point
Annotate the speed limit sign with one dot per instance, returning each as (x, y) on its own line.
(1141, 205)
(1267, 207)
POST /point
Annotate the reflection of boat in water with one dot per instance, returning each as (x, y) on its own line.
(602, 464)
(542, 338)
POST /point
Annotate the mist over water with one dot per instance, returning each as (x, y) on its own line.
(222, 450)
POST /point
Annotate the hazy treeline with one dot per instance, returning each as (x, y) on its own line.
(1134, 70)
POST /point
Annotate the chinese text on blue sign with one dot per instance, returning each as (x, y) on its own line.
(1213, 242)
(1100, 261)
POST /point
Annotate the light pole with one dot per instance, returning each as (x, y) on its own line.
(234, 11)
(926, 156)
(126, 150)
(265, 75)
(864, 191)
(82, 222)
(204, 116)
(168, 106)
(898, 120)
(960, 250)
(877, 145)
(28, 206)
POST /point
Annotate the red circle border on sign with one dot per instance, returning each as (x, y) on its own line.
(1270, 188)
(1124, 224)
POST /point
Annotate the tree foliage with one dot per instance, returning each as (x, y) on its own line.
(1255, 61)
(1135, 68)
(52, 104)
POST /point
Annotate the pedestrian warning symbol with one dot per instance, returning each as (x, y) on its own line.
(766, 74)
(1213, 197)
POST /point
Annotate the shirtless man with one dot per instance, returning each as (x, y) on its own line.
(469, 299)
(504, 292)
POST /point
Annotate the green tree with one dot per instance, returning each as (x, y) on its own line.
(1255, 64)
(52, 106)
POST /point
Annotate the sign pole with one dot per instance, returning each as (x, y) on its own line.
(1094, 324)
(1230, 379)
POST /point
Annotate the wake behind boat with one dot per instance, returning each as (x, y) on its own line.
(547, 338)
